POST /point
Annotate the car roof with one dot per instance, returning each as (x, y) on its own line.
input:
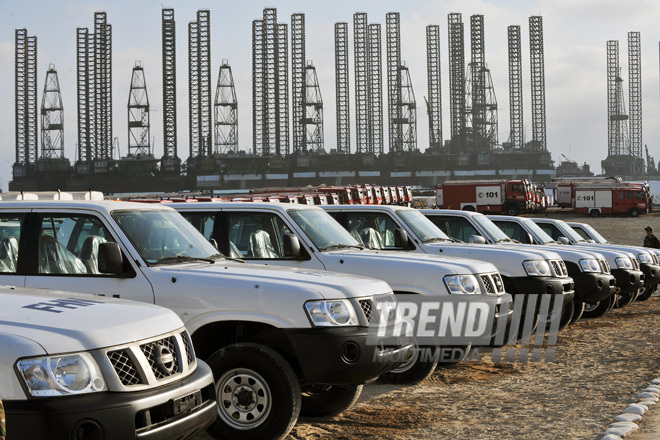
(106, 206)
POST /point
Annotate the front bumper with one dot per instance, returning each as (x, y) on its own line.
(628, 280)
(592, 287)
(541, 285)
(341, 356)
(651, 274)
(150, 414)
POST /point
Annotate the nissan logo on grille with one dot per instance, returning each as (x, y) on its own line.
(164, 359)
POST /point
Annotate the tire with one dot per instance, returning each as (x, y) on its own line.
(415, 370)
(646, 294)
(578, 311)
(598, 309)
(565, 317)
(328, 400)
(469, 208)
(453, 362)
(623, 300)
(511, 210)
(634, 212)
(261, 375)
(594, 213)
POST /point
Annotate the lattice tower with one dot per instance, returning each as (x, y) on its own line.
(394, 104)
(342, 95)
(475, 85)
(139, 123)
(194, 109)
(515, 88)
(635, 93)
(52, 117)
(282, 132)
(375, 90)
(456, 80)
(25, 101)
(258, 119)
(433, 74)
(313, 110)
(226, 112)
(617, 119)
(199, 85)
(102, 87)
(408, 110)
(361, 62)
(169, 85)
(298, 81)
(85, 110)
(537, 64)
(271, 89)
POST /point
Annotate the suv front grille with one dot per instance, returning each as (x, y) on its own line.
(492, 283)
(604, 266)
(635, 263)
(373, 312)
(559, 268)
(143, 364)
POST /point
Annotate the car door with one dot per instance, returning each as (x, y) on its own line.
(65, 245)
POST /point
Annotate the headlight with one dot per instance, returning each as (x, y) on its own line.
(61, 375)
(623, 263)
(331, 313)
(590, 265)
(537, 268)
(462, 284)
(645, 258)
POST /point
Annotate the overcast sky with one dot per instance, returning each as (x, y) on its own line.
(575, 36)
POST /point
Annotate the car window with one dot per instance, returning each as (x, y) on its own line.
(460, 229)
(10, 234)
(551, 230)
(256, 235)
(69, 244)
(513, 230)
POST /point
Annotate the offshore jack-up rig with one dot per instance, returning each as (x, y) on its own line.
(287, 140)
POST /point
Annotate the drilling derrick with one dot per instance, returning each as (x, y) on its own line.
(456, 81)
(635, 93)
(515, 89)
(342, 88)
(539, 141)
(313, 121)
(394, 108)
(139, 126)
(102, 91)
(199, 85)
(481, 108)
(226, 112)
(434, 102)
(52, 118)
(298, 81)
(25, 103)
(375, 89)
(360, 59)
(170, 163)
(408, 111)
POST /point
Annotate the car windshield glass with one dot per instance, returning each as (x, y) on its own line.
(569, 232)
(538, 232)
(491, 228)
(594, 234)
(421, 226)
(323, 230)
(162, 234)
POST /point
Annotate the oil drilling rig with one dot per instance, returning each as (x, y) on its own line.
(288, 147)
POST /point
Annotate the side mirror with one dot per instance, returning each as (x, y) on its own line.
(291, 246)
(110, 258)
(477, 239)
(400, 238)
(563, 240)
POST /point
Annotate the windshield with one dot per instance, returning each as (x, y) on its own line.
(323, 230)
(158, 235)
(421, 226)
(570, 232)
(491, 228)
(594, 234)
(543, 237)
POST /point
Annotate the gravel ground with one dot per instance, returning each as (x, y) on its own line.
(598, 368)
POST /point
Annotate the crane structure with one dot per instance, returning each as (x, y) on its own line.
(434, 76)
(170, 162)
(342, 93)
(225, 118)
(516, 138)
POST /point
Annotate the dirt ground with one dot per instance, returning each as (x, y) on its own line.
(599, 366)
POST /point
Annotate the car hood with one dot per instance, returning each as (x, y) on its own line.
(68, 322)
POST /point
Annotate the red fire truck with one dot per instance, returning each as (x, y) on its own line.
(508, 196)
(603, 195)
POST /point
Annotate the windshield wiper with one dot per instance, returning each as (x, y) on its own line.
(439, 239)
(186, 259)
(345, 246)
(506, 240)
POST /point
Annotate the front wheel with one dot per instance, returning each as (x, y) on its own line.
(634, 212)
(258, 394)
(579, 310)
(420, 366)
(646, 294)
(623, 299)
(328, 400)
(596, 310)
